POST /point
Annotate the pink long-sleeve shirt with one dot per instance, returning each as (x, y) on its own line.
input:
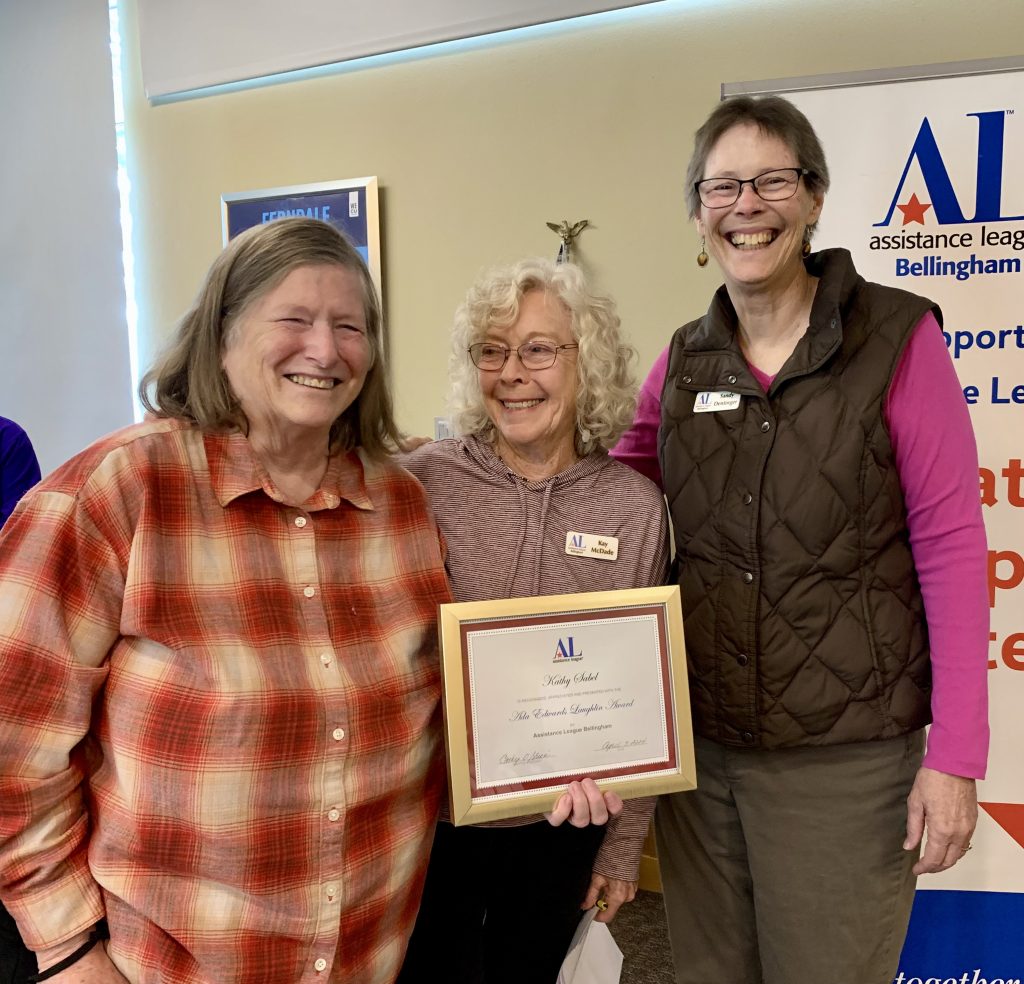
(937, 459)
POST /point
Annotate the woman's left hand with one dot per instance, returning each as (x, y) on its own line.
(945, 806)
(583, 804)
(612, 891)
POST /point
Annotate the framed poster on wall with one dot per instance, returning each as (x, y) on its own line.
(349, 204)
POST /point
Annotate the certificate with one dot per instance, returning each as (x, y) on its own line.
(541, 691)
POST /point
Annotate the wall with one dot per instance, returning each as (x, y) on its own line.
(476, 148)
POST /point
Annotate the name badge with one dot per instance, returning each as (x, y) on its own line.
(712, 400)
(588, 545)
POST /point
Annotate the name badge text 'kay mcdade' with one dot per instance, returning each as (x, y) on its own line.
(589, 545)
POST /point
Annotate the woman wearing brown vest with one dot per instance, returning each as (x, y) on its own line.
(832, 562)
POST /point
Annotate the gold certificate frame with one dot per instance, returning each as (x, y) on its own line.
(541, 691)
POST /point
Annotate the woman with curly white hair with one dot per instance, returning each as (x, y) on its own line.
(541, 389)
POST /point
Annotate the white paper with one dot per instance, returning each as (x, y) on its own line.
(593, 957)
(576, 697)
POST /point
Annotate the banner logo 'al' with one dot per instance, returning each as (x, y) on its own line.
(959, 246)
(944, 202)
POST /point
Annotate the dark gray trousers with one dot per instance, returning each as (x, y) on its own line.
(788, 866)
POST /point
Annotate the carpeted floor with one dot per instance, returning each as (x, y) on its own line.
(642, 935)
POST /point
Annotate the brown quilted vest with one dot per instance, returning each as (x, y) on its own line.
(803, 615)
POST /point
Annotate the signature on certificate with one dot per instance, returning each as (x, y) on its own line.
(527, 758)
(619, 746)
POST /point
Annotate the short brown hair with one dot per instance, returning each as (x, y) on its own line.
(772, 115)
(188, 381)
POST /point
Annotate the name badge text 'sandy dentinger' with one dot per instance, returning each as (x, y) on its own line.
(588, 545)
(710, 400)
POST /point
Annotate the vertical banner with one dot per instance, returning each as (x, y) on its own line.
(928, 194)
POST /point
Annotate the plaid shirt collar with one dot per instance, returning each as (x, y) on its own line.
(235, 471)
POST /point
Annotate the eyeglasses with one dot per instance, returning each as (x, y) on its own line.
(492, 356)
(772, 186)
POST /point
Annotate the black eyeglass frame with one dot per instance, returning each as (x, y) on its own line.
(801, 172)
(519, 354)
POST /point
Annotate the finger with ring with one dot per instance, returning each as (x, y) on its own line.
(602, 905)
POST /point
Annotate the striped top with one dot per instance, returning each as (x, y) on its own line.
(218, 712)
(506, 539)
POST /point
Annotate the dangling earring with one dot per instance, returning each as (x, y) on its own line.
(702, 256)
(807, 247)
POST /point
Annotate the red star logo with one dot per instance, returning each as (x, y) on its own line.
(914, 210)
(1009, 816)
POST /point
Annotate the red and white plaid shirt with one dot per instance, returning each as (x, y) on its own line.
(219, 713)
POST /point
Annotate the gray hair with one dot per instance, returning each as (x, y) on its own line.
(606, 387)
(188, 381)
(772, 115)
